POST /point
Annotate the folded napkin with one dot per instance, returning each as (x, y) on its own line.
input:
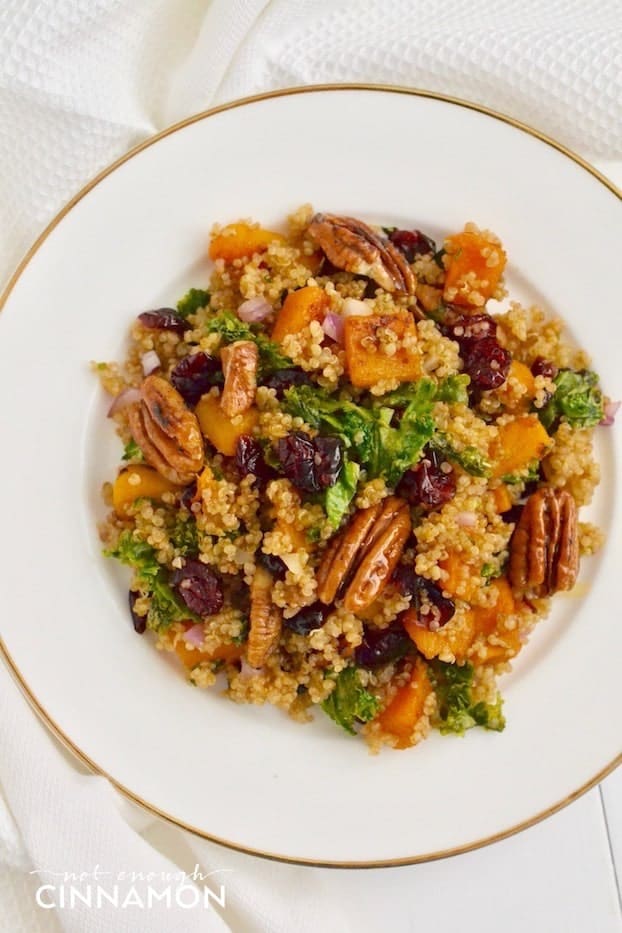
(83, 80)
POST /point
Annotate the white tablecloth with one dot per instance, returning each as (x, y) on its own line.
(80, 82)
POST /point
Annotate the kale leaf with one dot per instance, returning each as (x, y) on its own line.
(165, 606)
(350, 702)
(231, 328)
(194, 299)
(132, 451)
(338, 497)
(452, 684)
(367, 432)
(577, 400)
(469, 458)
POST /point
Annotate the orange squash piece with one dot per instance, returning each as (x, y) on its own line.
(454, 638)
(487, 618)
(190, 656)
(519, 442)
(474, 267)
(299, 309)
(240, 241)
(400, 717)
(462, 579)
(365, 337)
(220, 430)
(503, 499)
(137, 482)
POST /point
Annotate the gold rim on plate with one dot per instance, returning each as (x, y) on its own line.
(4, 653)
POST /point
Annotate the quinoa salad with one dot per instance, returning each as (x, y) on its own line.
(351, 477)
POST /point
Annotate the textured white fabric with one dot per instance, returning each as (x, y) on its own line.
(83, 80)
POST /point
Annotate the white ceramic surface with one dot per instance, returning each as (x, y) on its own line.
(248, 775)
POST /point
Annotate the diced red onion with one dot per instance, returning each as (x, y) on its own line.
(466, 519)
(195, 635)
(254, 309)
(352, 307)
(129, 396)
(333, 327)
(610, 412)
(247, 672)
(150, 361)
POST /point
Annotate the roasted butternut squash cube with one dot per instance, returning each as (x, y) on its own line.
(474, 264)
(190, 656)
(381, 347)
(455, 638)
(460, 578)
(223, 432)
(298, 310)
(136, 482)
(487, 618)
(519, 442)
(401, 716)
(241, 241)
(503, 499)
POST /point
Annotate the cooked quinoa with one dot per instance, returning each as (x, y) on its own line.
(337, 462)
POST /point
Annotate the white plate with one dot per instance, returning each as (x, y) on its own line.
(247, 775)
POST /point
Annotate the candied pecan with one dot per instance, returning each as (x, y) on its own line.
(166, 432)
(265, 619)
(544, 550)
(351, 245)
(363, 557)
(239, 365)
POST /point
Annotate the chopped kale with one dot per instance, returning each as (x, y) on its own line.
(132, 451)
(338, 497)
(367, 432)
(528, 475)
(231, 328)
(185, 535)
(165, 606)
(577, 400)
(194, 299)
(349, 702)
(453, 684)
(469, 458)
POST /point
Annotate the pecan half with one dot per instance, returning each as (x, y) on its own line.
(363, 557)
(239, 365)
(265, 619)
(351, 245)
(544, 550)
(166, 431)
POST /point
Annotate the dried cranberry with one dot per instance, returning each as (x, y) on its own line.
(430, 484)
(328, 460)
(412, 243)
(296, 454)
(542, 367)
(273, 565)
(486, 362)
(194, 376)
(200, 588)
(308, 619)
(405, 579)
(140, 622)
(164, 319)
(284, 379)
(249, 459)
(381, 646)
(467, 327)
(311, 464)
(188, 495)
(511, 516)
(433, 609)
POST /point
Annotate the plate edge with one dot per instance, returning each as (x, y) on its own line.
(4, 296)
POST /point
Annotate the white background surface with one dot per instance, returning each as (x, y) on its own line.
(82, 81)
